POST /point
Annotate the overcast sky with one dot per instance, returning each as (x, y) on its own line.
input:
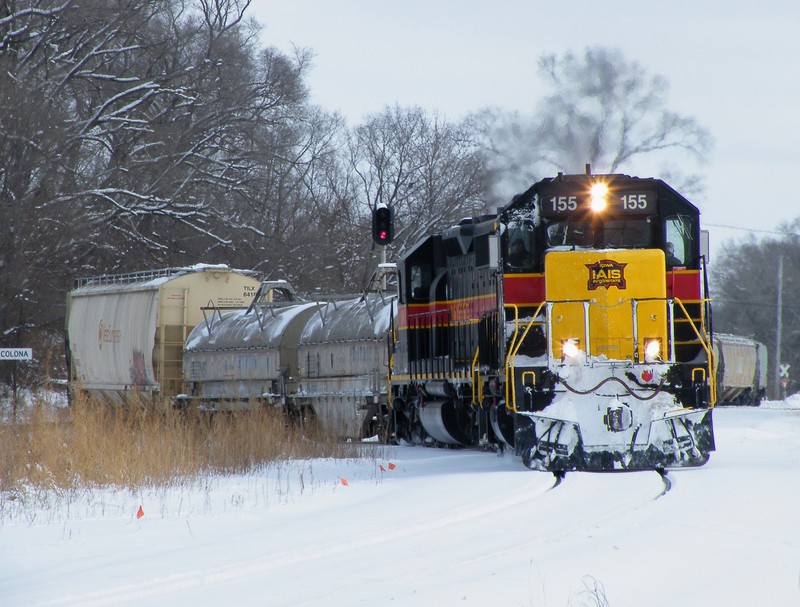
(734, 70)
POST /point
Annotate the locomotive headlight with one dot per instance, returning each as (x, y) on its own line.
(598, 194)
(570, 348)
(652, 350)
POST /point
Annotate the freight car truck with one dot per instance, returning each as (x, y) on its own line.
(125, 333)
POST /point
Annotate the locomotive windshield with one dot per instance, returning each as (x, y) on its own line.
(626, 232)
(570, 234)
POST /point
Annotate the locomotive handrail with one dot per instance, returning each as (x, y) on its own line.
(513, 348)
(586, 303)
(634, 303)
(702, 337)
(391, 348)
(705, 342)
(509, 360)
(475, 378)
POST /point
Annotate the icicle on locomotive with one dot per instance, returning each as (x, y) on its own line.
(573, 326)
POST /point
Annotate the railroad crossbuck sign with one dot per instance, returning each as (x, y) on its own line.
(16, 353)
(785, 371)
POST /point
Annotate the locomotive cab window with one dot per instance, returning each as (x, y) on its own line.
(520, 248)
(679, 242)
(420, 282)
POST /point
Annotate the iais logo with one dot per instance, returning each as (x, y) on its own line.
(606, 273)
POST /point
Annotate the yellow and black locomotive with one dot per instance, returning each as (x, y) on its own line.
(573, 326)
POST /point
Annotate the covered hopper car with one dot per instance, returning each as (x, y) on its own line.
(125, 333)
(741, 369)
(324, 360)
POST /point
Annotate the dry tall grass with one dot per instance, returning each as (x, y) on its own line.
(94, 445)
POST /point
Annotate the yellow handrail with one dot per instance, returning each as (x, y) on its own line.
(475, 378)
(513, 348)
(705, 342)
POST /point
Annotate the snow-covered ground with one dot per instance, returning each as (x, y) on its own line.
(417, 526)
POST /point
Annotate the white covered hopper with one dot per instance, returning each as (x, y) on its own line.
(126, 333)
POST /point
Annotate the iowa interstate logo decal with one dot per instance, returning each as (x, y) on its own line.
(606, 273)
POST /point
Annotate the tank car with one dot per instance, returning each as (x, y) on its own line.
(125, 332)
(741, 364)
(572, 326)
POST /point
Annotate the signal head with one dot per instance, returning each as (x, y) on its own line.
(382, 225)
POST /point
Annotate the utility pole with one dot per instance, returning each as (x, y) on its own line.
(778, 329)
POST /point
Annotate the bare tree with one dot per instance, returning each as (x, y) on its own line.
(131, 133)
(744, 278)
(428, 170)
(602, 110)
(292, 225)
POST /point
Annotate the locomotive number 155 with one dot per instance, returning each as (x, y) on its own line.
(560, 204)
(634, 202)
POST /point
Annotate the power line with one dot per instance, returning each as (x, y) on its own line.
(720, 225)
(735, 302)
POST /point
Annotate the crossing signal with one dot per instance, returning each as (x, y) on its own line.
(382, 225)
